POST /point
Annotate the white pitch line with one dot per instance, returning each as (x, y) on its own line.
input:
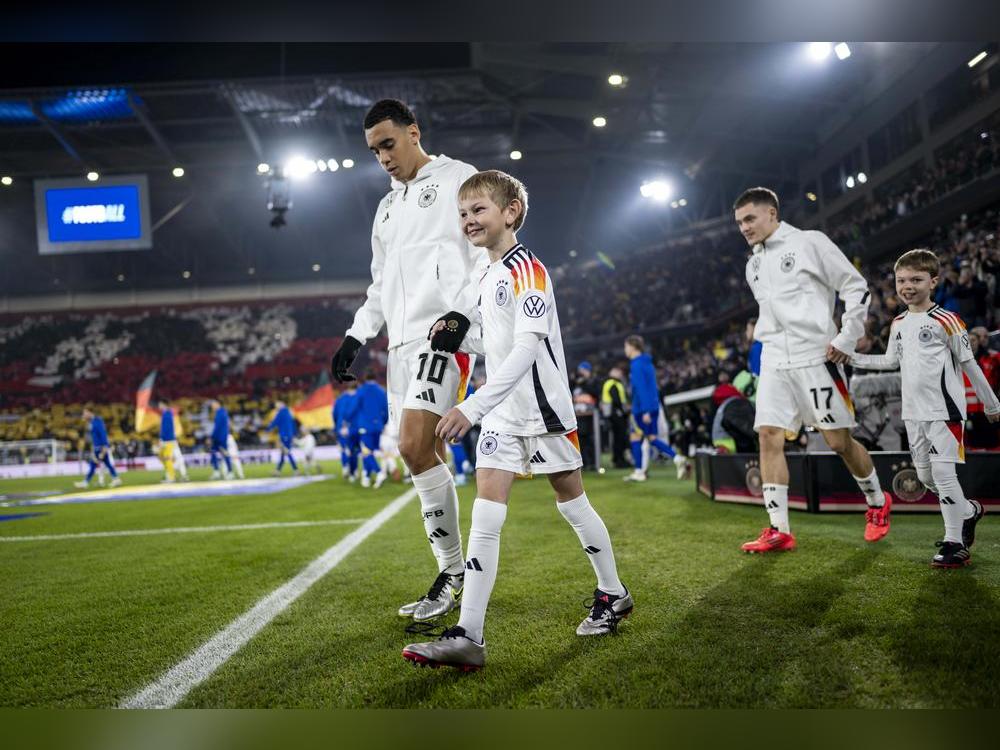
(180, 530)
(171, 687)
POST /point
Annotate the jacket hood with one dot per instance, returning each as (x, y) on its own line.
(723, 392)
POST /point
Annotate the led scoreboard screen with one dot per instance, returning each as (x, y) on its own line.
(75, 215)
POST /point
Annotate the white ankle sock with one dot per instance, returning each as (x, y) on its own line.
(776, 504)
(481, 567)
(439, 507)
(955, 508)
(596, 541)
(872, 489)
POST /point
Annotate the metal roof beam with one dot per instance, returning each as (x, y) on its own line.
(56, 133)
(154, 133)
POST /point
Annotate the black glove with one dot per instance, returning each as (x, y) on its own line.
(343, 359)
(449, 340)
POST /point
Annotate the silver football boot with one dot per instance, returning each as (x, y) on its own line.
(606, 611)
(440, 599)
(452, 649)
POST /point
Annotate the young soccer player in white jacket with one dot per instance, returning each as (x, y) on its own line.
(930, 346)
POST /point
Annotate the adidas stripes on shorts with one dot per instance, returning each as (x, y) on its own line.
(937, 441)
(815, 395)
(418, 378)
(538, 454)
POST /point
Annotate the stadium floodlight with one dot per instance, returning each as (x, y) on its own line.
(121, 277)
(251, 271)
(862, 178)
(93, 176)
(299, 168)
(599, 121)
(186, 274)
(321, 165)
(683, 202)
(7, 180)
(616, 79)
(657, 190)
(842, 51)
(849, 181)
(332, 164)
(263, 168)
(984, 135)
(819, 51)
(177, 171)
(811, 196)
(674, 204)
(347, 163)
(977, 59)
(516, 155)
(315, 267)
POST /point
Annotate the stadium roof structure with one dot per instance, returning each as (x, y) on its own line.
(710, 118)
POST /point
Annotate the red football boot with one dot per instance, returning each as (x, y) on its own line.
(770, 540)
(877, 520)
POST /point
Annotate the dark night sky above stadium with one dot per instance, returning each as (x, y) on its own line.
(38, 65)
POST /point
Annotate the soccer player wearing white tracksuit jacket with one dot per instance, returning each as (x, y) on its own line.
(423, 270)
(795, 276)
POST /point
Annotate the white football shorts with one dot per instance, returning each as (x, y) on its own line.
(816, 395)
(418, 378)
(538, 454)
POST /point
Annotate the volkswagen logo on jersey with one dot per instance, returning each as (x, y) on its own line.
(926, 334)
(487, 445)
(427, 197)
(905, 484)
(787, 262)
(534, 306)
(501, 295)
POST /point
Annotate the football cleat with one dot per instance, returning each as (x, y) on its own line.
(461, 480)
(606, 611)
(116, 482)
(437, 590)
(453, 649)
(770, 540)
(969, 524)
(441, 598)
(951, 555)
(877, 520)
(379, 480)
(636, 476)
(366, 481)
(683, 466)
(82, 484)
(215, 475)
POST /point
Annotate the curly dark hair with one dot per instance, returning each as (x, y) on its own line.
(389, 109)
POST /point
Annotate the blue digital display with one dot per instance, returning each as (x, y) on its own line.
(77, 216)
(93, 214)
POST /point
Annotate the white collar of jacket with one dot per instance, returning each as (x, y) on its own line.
(436, 163)
(777, 237)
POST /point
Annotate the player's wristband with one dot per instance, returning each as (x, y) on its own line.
(450, 338)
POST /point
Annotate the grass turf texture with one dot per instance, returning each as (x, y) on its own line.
(838, 623)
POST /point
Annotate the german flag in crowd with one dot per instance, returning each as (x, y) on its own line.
(146, 416)
(315, 411)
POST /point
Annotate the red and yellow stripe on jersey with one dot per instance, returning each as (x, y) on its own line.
(526, 270)
(951, 323)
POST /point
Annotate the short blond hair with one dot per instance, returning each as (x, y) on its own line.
(499, 187)
(920, 259)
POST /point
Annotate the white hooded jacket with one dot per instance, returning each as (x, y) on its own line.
(795, 276)
(422, 264)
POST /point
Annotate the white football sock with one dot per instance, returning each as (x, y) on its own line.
(593, 535)
(955, 508)
(481, 567)
(872, 489)
(776, 504)
(439, 507)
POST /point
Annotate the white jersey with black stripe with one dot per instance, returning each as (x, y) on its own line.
(516, 296)
(929, 349)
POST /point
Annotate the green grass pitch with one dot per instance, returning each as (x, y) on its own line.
(838, 623)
